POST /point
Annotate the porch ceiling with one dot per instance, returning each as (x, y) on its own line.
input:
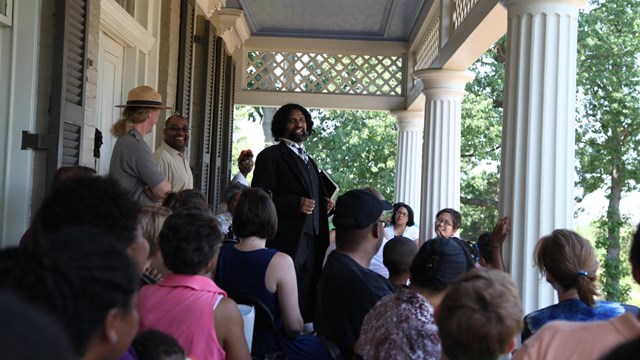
(382, 20)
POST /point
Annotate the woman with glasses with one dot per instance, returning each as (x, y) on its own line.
(448, 222)
(400, 224)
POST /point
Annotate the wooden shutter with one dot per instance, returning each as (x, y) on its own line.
(218, 180)
(66, 114)
(202, 171)
(227, 126)
(185, 58)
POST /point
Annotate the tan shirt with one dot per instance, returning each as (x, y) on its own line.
(579, 340)
(174, 166)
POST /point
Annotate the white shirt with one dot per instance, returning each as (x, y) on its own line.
(411, 232)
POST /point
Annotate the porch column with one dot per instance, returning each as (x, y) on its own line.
(538, 141)
(409, 159)
(443, 90)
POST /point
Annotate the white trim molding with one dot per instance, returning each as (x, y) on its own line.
(209, 7)
(6, 17)
(232, 27)
(119, 24)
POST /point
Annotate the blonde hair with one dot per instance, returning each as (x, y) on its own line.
(131, 115)
(152, 218)
(571, 261)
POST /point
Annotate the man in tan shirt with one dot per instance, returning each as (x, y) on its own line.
(170, 155)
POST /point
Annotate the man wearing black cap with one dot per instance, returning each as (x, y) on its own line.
(348, 289)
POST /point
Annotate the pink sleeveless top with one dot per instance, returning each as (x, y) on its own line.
(182, 306)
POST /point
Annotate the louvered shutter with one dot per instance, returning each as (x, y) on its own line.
(185, 58)
(227, 127)
(66, 114)
(205, 142)
(217, 179)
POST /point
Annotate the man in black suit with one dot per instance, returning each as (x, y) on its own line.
(292, 177)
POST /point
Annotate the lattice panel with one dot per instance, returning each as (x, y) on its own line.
(428, 49)
(325, 73)
(461, 9)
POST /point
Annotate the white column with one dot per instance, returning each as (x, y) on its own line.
(409, 159)
(443, 90)
(538, 141)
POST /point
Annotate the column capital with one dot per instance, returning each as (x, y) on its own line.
(517, 7)
(444, 82)
(409, 119)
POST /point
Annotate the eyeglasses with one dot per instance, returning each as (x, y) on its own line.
(176, 129)
(443, 221)
(247, 162)
(384, 223)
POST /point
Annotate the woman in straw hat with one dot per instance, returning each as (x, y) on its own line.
(132, 161)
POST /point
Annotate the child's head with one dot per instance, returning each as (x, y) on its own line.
(479, 316)
(189, 240)
(156, 345)
(397, 255)
(570, 261)
(484, 249)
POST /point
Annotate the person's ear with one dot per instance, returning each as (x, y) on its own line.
(111, 327)
(212, 264)
(510, 347)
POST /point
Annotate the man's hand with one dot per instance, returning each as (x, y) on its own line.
(330, 204)
(307, 206)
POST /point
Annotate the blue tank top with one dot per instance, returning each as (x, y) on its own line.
(243, 273)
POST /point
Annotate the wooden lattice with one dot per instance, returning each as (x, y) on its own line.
(429, 46)
(461, 9)
(325, 73)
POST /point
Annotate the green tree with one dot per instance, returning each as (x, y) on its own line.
(608, 119)
(481, 139)
(358, 148)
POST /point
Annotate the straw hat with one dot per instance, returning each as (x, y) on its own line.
(144, 96)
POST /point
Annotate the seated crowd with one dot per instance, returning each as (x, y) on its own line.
(97, 276)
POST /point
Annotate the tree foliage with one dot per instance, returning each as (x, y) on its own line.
(608, 119)
(481, 139)
(358, 148)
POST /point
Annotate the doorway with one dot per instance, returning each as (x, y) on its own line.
(109, 94)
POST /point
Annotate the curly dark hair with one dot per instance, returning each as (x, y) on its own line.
(397, 207)
(438, 263)
(79, 275)
(98, 202)
(281, 118)
(155, 345)
(189, 239)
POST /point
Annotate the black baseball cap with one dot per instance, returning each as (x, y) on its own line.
(357, 209)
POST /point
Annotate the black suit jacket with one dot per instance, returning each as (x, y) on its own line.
(278, 171)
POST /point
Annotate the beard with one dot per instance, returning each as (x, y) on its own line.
(298, 137)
